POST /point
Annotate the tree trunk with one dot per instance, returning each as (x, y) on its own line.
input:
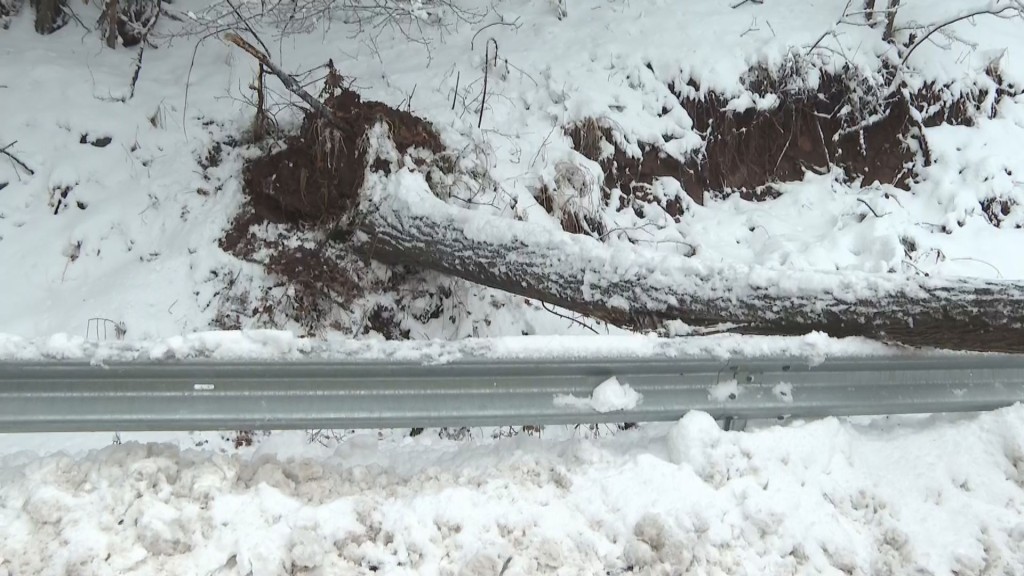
(890, 21)
(638, 289)
(869, 12)
(108, 23)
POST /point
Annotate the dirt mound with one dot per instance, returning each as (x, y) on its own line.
(317, 177)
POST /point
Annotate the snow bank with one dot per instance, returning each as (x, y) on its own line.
(281, 345)
(886, 496)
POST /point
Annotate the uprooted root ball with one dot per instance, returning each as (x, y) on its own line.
(308, 188)
(317, 177)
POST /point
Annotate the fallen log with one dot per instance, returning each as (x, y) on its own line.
(403, 223)
(397, 220)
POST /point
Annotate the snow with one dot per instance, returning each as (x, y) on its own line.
(899, 495)
(278, 345)
(144, 249)
(783, 391)
(724, 391)
(608, 396)
(111, 253)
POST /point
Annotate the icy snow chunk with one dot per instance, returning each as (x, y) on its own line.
(308, 548)
(750, 100)
(63, 175)
(609, 396)
(724, 391)
(688, 439)
(784, 392)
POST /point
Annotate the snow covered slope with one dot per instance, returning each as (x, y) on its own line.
(120, 223)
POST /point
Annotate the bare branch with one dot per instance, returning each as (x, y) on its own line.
(289, 82)
(1018, 7)
(15, 158)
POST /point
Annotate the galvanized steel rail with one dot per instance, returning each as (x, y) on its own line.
(209, 395)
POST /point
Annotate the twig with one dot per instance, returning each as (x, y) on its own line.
(864, 202)
(545, 306)
(1019, 8)
(138, 70)
(753, 28)
(513, 24)
(188, 78)
(979, 261)
(832, 29)
(742, 2)
(487, 68)
(67, 10)
(290, 83)
(248, 27)
(455, 97)
(4, 151)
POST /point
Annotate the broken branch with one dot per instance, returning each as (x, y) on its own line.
(289, 82)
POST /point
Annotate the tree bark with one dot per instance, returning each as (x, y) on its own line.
(869, 12)
(890, 21)
(638, 289)
(108, 23)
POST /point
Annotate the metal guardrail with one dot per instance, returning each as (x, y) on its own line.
(208, 395)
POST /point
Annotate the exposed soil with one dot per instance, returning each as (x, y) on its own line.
(623, 171)
(746, 153)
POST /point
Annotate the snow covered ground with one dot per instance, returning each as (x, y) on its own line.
(899, 495)
(124, 232)
(110, 251)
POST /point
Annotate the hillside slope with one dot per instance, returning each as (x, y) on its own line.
(120, 226)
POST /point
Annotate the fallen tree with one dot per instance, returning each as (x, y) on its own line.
(392, 216)
(402, 223)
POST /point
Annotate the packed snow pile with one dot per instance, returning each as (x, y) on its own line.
(923, 495)
(609, 396)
